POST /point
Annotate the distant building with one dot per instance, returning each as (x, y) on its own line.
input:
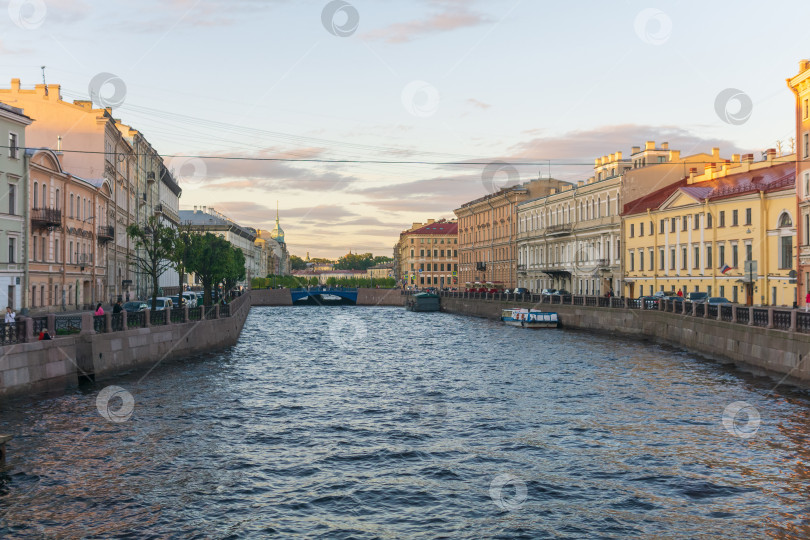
(275, 247)
(206, 219)
(168, 212)
(487, 232)
(428, 254)
(381, 271)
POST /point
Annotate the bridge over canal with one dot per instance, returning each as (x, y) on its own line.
(318, 293)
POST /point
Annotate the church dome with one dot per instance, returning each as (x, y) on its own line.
(277, 233)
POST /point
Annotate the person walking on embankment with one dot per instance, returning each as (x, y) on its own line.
(807, 302)
(99, 310)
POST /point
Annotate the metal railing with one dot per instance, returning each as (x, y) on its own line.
(176, 316)
(12, 333)
(760, 317)
(100, 323)
(66, 325)
(781, 319)
(157, 318)
(195, 313)
(136, 319)
(742, 314)
(117, 322)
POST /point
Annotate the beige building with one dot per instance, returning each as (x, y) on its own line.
(487, 232)
(428, 254)
(571, 239)
(66, 256)
(381, 271)
(94, 147)
(800, 84)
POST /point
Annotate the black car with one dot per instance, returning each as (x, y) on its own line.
(561, 292)
(134, 307)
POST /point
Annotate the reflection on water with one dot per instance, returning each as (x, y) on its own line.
(382, 423)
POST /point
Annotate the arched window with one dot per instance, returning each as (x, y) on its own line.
(36, 195)
(71, 206)
(44, 196)
(785, 221)
(58, 201)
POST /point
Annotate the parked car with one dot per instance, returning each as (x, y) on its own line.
(561, 292)
(650, 302)
(134, 307)
(178, 301)
(697, 296)
(191, 299)
(549, 291)
(520, 291)
(717, 300)
(162, 303)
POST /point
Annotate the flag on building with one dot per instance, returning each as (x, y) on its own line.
(725, 269)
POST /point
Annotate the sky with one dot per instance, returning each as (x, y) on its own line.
(512, 89)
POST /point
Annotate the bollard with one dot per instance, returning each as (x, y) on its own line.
(168, 315)
(124, 326)
(108, 322)
(29, 329)
(147, 316)
(770, 317)
(751, 316)
(793, 321)
(185, 313)
(216, 311)
(87, 324)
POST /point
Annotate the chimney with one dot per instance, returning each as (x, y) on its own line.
(635, 150)
(649, 145)
(618, 156)
(205, 209)
(665, 146)
(709, 170)
(748, 158)
(735, 158)
(692, 173)
(804, 65)
(580, 183)
(431, 221)
(771, 153)
(553, 191)
(716, 153)
(15, 85)
(195, 207)
(597, 162)
(674, 155)
(59, 143)
(54, 93)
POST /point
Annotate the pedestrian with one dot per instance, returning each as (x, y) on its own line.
(680, 293)
(11, 317)
(117, 308)
(99, 309)
(45, 335)
(806, 303)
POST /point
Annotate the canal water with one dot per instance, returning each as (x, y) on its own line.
(365, 422)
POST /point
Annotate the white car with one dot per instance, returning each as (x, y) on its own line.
(191, 299)
(162, 303)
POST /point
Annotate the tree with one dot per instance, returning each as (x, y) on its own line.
(212, 260)
(297, 263)
(235, 268)
(154, 249)
(184, 241)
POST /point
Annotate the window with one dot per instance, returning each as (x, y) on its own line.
(12, 250)
(661, 226)
(708, 256)
(709, 220)
(685, 223)
(641, 229)
(70, 214)
(673, 224)
(56, 250)
(12, 199)
(697, 257)
(43, 245)
(411, 253)
(735, 260)
(36, 195)
(722, 219)
(35, 248)
(786, 252)
(748, 216)
(44, 196)
(683, 259)
(661, 258)
(421, 252)
(735, 215)
(722, 256)
(806, 146)
(70, 253)
(641, 260)
(632, 230)
(785, 221)
(13, 146)
(59, 204)
(805, 108)
(697, 222)
(672, 259)
(632, 261)
(749, 252)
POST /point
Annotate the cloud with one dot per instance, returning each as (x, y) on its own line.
(480, 104)
(448, 15)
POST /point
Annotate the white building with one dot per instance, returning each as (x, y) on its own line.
(168, 212)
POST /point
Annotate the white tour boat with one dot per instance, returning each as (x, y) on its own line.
(529, 318)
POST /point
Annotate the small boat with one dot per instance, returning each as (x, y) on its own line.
(529, 318)
(423, 302)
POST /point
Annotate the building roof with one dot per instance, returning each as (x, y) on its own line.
(210, 218)
(169, 181)
(652, 200)
(438, 227)
(381, 266)
(782, 176)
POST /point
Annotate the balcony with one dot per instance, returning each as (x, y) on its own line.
(46, 217)
(521, 269)
(105, 233)
(561, 229)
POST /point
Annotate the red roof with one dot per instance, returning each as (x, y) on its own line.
(652, 200)
(438, 227)
(777, 177)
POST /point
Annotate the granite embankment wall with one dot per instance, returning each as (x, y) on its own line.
(778, 352)
(37, 366)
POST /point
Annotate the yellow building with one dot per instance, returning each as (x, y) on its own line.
(428, 255)
(696, 235)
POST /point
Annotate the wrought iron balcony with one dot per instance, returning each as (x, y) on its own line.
(105, 233)
(563, 228)
(46, 217)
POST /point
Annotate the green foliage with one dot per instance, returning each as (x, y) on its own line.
(297, 263)
(355, 261)
(215, 261)
(155, 245)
